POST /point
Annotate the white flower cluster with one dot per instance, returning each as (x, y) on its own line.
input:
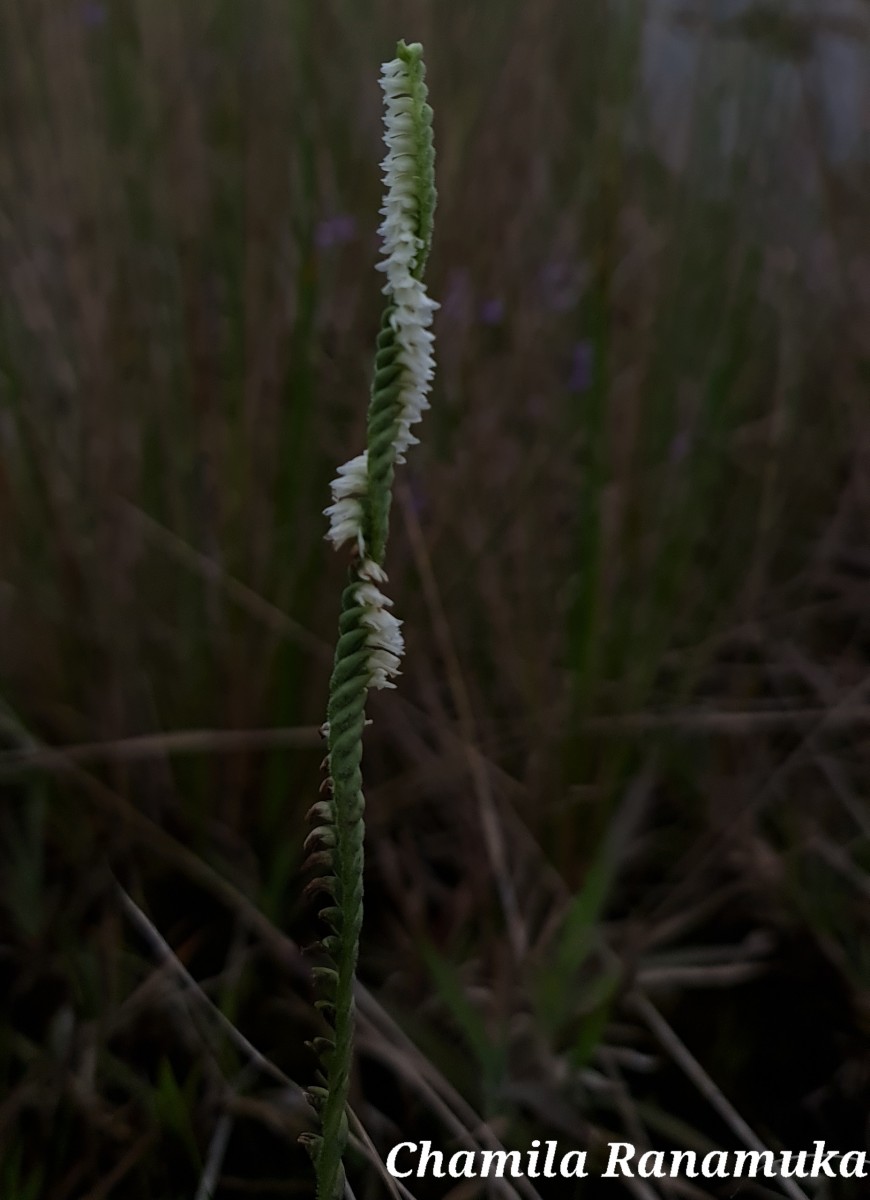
(345, 513)
(384, 638)
(403, 245)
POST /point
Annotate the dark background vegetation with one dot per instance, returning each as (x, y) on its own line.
(618, 835)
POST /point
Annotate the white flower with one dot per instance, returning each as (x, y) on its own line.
(345, 513)
(405, 169)
(372, 572)
(384, 638)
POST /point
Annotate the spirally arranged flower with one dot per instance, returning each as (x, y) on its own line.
(406, 230)
(346, 511)
(384, 640)
(370, 646)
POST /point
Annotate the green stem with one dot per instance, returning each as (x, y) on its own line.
(346, 717)
(384, 410)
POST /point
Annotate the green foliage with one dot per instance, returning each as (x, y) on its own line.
(557, 981)
(22, 865)
(172, 1105)
(488, 1047)
(16, 1183)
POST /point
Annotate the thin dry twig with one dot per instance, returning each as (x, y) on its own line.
(214, 1160)
(693, 1070)
(726, 975)
(394, 1186)
(246, 598)
(492, 831)
(160, 745)
(125, 1163)
(386, 1039)
(165, 955)
(836, 777)
(705, 857)
(731, 724)
(837, 858)
(256, 1059)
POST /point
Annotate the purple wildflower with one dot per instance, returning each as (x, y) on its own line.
(335, 231)
(492, 311)
(94, 14)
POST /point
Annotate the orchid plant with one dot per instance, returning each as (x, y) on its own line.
(370, 645)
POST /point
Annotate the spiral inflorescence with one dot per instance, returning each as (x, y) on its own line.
(370, 645)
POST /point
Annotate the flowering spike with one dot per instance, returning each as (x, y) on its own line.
(408, 209)
(370, 644)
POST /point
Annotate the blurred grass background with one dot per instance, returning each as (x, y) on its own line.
(618, 836)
